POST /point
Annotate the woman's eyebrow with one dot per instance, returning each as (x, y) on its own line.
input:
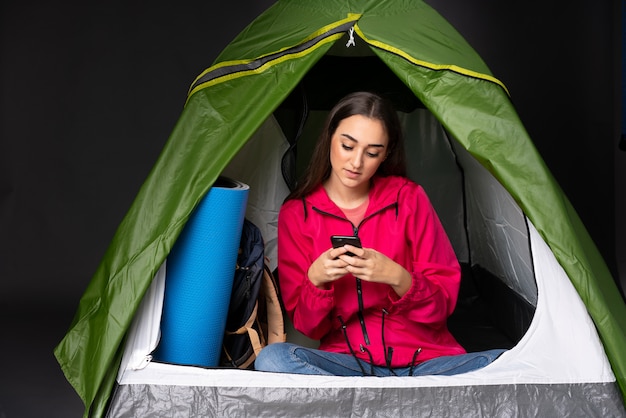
(351, 138)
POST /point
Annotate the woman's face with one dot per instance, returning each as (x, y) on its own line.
(357, 148)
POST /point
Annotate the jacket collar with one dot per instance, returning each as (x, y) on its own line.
(384, 192)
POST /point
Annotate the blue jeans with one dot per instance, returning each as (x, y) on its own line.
(292, 358)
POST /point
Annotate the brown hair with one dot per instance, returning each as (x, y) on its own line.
(360, 103)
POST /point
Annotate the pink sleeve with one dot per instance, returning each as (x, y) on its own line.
(435, 270)
(307, 306)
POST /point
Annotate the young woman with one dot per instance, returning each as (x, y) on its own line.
(381, 309)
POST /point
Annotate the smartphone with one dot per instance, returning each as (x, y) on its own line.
(341, 240)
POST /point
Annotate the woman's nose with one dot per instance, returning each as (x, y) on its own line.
(357, 159)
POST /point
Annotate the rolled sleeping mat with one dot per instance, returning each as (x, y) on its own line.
(199, 277)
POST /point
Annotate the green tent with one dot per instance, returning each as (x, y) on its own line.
(399, 47)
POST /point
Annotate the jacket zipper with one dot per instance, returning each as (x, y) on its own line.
(359, 287)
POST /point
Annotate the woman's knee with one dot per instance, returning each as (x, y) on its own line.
(272, 357)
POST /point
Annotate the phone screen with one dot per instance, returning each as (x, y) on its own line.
(341, 240)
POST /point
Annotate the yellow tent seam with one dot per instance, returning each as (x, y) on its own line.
(351, 17)
(262, 68)
(421, 63)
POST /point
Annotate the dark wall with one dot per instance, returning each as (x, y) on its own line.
(90, 94)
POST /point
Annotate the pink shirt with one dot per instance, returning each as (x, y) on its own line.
(356, 215)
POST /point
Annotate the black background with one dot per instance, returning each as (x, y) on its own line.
(90, 93)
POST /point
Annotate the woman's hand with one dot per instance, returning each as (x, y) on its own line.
(372, 266)
(367, 264)
(328, 267)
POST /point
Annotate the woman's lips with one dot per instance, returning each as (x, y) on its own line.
(352, 174)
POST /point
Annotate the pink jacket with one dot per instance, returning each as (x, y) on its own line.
(399, 222)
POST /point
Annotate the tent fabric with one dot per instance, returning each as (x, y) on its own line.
(459, 401)
(230, 101)
(265, 149)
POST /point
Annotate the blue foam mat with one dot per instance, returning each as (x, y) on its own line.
(199, 277)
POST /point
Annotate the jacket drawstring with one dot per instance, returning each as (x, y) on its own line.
(388, 351)
(365, 350)
(415, 354)
(359, 292)
(345, 335)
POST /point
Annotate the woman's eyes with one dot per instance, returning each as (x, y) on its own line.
(369, 154)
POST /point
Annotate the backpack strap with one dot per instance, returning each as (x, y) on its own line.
(275, 317)
(256, 340)
(266, 323)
